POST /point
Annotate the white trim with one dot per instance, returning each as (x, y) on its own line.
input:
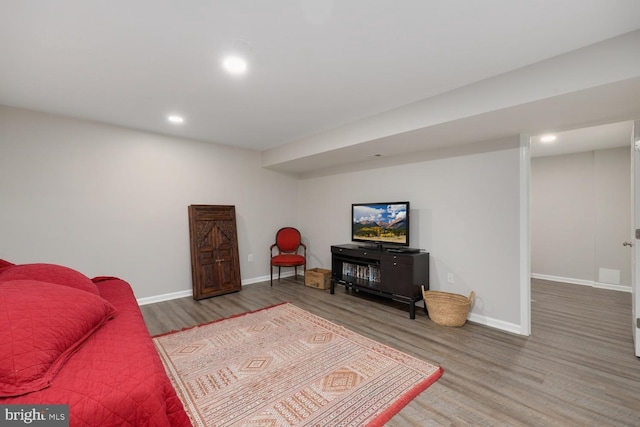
(591, 283)
(621, 288)
(525, 235)
(496, 324)
(164, 297)
(189, 292)
(635, 221)
(562, 279)
(257, 280)
(267, 278)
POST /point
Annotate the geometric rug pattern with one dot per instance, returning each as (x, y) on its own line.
(283, 366)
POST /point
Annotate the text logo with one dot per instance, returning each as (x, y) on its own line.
(34, 415)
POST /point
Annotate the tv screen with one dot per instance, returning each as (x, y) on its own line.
(380, 223)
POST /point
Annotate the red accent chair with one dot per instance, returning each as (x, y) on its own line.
(288, 243)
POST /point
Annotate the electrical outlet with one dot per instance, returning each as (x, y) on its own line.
(250, 257)
(450, 278)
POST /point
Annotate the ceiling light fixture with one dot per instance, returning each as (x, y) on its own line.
(178, 120)
(235, 65)
(547, 138)
(235, 60)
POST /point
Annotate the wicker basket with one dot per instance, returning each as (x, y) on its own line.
(448, 309)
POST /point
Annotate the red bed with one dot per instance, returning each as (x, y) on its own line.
(92, 350)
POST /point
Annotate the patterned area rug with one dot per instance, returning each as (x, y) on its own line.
(283, 366)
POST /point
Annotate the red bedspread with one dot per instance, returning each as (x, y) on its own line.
(116, 378)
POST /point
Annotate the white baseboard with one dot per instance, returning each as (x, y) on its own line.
(164, 297)
(620, 288)
(496, 324)
(189, 292)
(562, 279)
(487, 321)
(267, 278)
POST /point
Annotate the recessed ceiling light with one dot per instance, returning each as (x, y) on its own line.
(235, 65)
(547, 138)
(178, 120)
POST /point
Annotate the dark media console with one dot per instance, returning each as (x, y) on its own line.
(403, 250)
(384, 272)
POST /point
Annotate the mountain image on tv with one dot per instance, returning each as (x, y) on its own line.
(380, 223)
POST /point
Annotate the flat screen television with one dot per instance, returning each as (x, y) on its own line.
(380, 224)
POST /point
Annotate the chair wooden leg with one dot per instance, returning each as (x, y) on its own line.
(271, 271)
(279, 273)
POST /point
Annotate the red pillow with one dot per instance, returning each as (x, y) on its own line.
(41, 326)
(5, 264)
(49, 273)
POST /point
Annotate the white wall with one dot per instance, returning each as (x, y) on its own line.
(464, 211)
(563, 216)
(112, 201)
(580, 215)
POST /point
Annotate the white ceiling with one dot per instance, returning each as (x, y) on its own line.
(611, 135)
(314, 64)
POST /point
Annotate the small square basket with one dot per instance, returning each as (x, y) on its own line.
(318, 278)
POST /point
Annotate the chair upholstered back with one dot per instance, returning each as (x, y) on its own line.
(288, 240)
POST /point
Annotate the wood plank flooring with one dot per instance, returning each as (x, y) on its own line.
(576, 369)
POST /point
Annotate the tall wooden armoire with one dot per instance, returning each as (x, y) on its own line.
(215, 265)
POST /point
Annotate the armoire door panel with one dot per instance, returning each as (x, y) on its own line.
(214, 250)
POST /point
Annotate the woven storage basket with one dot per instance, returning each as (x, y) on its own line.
(448, 309)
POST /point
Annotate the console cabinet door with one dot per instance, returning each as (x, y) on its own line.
(215, 266)
(396, 274)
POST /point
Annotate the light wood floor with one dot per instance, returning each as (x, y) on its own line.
(577, 367)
